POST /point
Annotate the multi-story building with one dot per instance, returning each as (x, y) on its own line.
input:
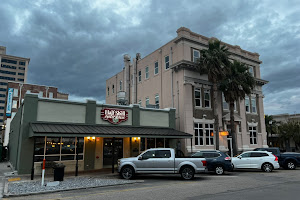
(288, 145)
(167, 78)
(13, 68)
(15, 95)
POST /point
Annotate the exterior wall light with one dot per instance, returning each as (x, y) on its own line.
(88, 137)
(93, 138)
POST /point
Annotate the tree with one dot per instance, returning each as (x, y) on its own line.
(269, 122)
(213, 62)
(289, 131)
(237, 83)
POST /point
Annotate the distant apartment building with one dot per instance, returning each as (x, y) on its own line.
(166, 78)
(288, 145)
(13, 68)
(15, 94)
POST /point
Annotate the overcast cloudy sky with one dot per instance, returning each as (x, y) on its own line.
(77, 45)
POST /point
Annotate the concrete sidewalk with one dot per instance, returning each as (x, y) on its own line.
(5, 169)
(21, 183)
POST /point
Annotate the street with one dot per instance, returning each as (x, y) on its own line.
(280, 184)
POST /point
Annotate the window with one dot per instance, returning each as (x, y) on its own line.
(51, 95)
(253, 104)
(107, 91)
(2, 101)
(163, 153)
(7, 78)
(113, 89)
(8, 66)
(207, 98)
(156, 68)
(247, 104)
(21, 63)
(167, 63)
(225, 104)
(20, 79)
(120, 85)
(3, 89)
(251, 71)
(58, 148)
(7, 72)
(9, 61)
(1, 114)
(245, 155)
(199, 134)
(16, 93)
(2, 95)
(149, 154)
(209, 134)
(15, 104)
(2, 83)
(140, 76)
(157, 101)
(196, 55)
(147, 101)
(198, 97)
(22, 68)
(253, 134)
(200, 137)
(41, 94)
(147, 73)
(21, 74)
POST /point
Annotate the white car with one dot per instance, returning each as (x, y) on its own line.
(263, 160)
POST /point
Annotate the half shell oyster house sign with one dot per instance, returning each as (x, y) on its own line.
(114, 116)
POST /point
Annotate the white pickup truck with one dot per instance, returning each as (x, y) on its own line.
(160, 161)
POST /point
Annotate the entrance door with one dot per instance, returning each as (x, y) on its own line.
(108, 151)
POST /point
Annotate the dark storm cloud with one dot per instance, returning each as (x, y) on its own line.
(77, 45)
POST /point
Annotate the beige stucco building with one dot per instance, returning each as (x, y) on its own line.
(166, 79)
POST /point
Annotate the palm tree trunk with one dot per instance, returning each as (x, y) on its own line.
(233, 133)
(216, 124)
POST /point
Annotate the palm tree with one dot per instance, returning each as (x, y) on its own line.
(237, 84)
(213, 62)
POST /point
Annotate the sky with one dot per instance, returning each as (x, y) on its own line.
(77, 45)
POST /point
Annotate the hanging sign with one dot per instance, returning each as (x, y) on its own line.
(114, 116)
(9, 101)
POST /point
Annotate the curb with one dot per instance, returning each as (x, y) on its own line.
(5, 195)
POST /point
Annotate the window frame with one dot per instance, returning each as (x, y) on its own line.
(193, 56)
(121, 85)
(197, 90)
(157, 97)
(147, 101)
(146, 72)
(253, 105)
(247, 103)
(253, 137)
(167, 63)
(207, 91)
(156, 68)
(140, 76)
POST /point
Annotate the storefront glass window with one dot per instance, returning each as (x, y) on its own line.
(68, 146)
(142, 144)
(150, 143)
(39, 146)
(160, 143)
(53, 146)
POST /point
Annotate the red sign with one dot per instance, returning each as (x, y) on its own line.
(114, 116)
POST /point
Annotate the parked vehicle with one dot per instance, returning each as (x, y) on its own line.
(217, 161)
(160, 161)
(287, 160)
(263, 160)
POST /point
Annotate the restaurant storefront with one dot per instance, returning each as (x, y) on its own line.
(90, 135)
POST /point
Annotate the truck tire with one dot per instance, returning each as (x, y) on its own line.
(127, 172)
(290, 164)
(219, 170)
(187, 173)
(267, 167)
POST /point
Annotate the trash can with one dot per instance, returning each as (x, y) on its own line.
(59, 172)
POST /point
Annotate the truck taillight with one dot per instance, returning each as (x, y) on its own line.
(227, 158)
(204, 162)
(276, 158)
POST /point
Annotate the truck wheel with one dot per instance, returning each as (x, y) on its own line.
(127, 172)
(187, 173)
(290, 164)
(219, 170)
(267, 167)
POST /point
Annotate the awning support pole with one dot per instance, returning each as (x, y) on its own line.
(76, 168)
(113, 156)
(32, 166)
(191, 145)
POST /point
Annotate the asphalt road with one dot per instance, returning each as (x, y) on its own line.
(254, 185)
